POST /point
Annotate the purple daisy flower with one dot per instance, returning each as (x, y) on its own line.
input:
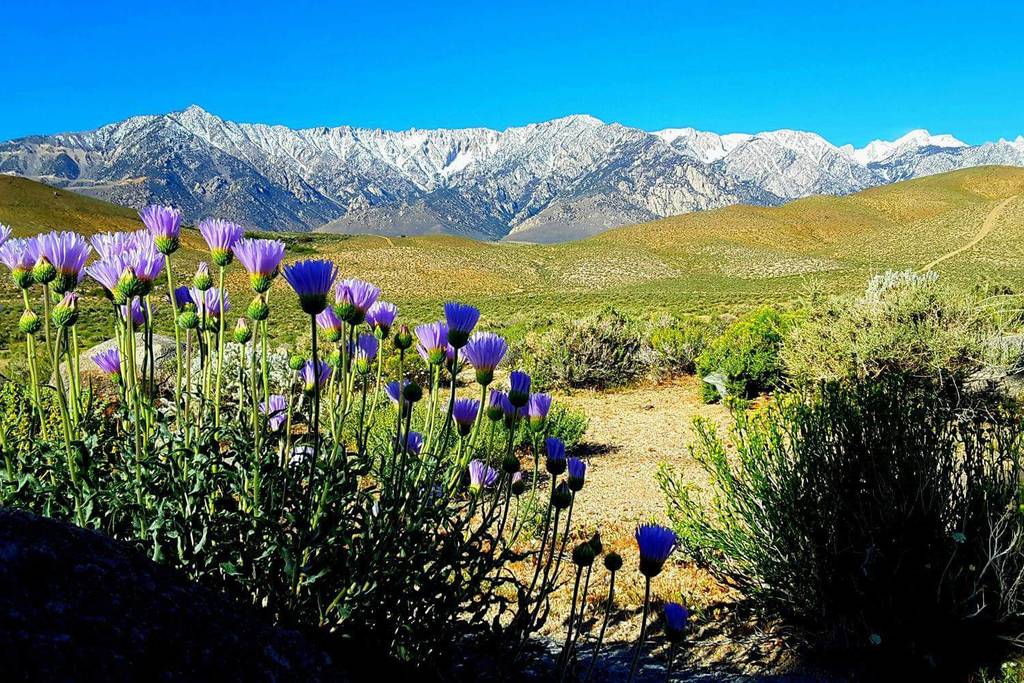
(146, 263)
(452, 360)
(538, 408)
(20, 255)
(364, 352)
(135, 311)
(5, 233)
(353, 298)
(209, 302)
(220, 236)
(655, 543)
(577, 473)
(67, 252)
(433, 342)
(327, 321)
(554, 450)
(311, 378)
(484, 351)
(496, 405)
(518, 485)
(112, 244)
(275, 410)
(464, 412)
(182, 298)
(381, 317)
(519, 388)
(109, 362)
(261, 259)
(311, 280)
(461, 318)
(414, 443)
(676, 618)
(481, 475)
(164, 224)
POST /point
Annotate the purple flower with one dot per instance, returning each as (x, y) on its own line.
(136, 311)
(519, 388)
(220, 236)
(20, 255)
(67, 252)
(414, 442)
(147, 263)
(365, 351)
(109, 362)
(676, 617)
(275, 409)
(656, 543)
(353, 298)
(311, 378)
(484, 352)
(464, 412)
(577, 473)
(164, 223)
(554, 455)
(182, 298)
(381, 317)
(107, 272)
(481, 475)
(311, 280)
(261, 259)
(5, 233)
(433, 342)
(327, 321)
(518, 485)
(112, 244)
(461, 318)
(496, 405)
(538, 408)
(209, 302)
(394, 390)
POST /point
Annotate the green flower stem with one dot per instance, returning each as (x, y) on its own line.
(604, 625)
(643, 631)
(220, 347)
(265, 361)
(563, 657)
(30, 350)
(561, 551)
(177, 338)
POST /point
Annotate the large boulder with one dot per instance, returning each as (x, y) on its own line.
(76, 605)
(163, 354)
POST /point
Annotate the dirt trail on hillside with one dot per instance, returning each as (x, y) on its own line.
(986, 227)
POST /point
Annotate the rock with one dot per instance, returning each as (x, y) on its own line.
(76, 605)
(163, 353)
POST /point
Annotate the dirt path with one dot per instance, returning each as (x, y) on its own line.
(986, 227)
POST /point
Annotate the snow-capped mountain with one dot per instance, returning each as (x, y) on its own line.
(551, 181)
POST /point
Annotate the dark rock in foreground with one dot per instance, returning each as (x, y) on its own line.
(75, 605)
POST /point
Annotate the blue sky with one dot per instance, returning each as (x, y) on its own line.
(852, 71)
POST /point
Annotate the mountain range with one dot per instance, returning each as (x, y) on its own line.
(554, 181)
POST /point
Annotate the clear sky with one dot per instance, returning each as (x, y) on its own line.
(852, 71)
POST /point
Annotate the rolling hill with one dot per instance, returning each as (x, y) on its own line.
(720, 260)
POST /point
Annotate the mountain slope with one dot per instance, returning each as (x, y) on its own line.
(546, 182)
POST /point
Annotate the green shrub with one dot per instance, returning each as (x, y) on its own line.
(745, 358)
(882, 516)
(903, 322)
(678, 343)
(601, 351)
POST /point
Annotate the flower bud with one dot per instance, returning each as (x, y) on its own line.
(29, 322)
(510, 464)
(403, 338)
(258, 309)
(188, 319)
(22, 277)
(202, 280)
(242, 334)
(129, 285)
(613, 561)
(65, 313)
(412, 392)
(561, 497)
(260, 282)
(518, 484)
(595, 543)
(333, 358)
(295, 362)
(583, 555)
(44, 272)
